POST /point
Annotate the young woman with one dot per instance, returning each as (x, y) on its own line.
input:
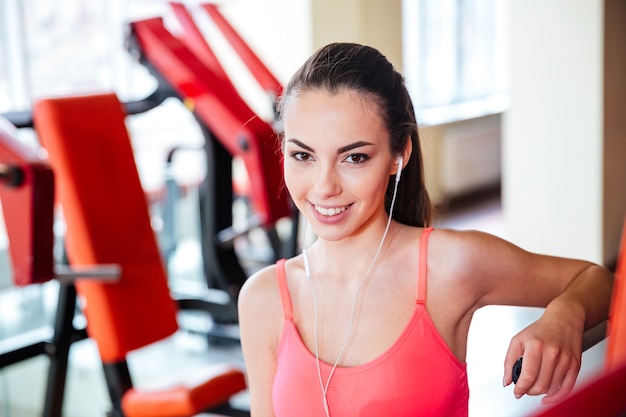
(372, 319)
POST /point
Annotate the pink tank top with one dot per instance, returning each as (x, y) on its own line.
(417, 376)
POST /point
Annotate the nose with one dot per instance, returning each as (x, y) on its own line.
(327, 181)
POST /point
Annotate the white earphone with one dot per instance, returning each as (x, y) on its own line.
(399, 172)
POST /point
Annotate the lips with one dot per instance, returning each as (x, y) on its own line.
(330, 211)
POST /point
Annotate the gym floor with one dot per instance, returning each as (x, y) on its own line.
(29, 310)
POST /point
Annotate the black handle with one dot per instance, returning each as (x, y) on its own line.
(517, 369)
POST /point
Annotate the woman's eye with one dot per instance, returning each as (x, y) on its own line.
(357, 158)
(301, 156)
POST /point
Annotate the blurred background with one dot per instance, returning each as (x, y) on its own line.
(521, 107)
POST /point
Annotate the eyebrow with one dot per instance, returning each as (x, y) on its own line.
(341, 150)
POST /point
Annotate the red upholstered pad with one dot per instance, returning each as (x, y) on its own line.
(108, 221)
(185, 400)
(28, 208)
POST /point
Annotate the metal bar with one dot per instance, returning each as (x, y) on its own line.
(595, 335)
(118, 379)
(24, 119)
(105, 272)
(15, 355)
(156, 98)
(59, 350)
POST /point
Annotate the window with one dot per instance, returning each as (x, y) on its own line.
(456, 57)
(68, 46)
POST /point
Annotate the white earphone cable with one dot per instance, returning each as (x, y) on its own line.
(307, 271)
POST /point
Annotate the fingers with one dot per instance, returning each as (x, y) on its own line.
(561, 392)
(547, 371)
(514, 352)
(529, 374)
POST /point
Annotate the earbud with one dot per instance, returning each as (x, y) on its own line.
(400, 163)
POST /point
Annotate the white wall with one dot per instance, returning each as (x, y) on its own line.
(553, 132)
(371, 22)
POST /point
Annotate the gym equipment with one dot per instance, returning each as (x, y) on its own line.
(27, 193)
(28, 199)
(231, 130)
(107, 219)
(616, 343)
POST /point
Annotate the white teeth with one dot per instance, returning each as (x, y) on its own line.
(330, 211)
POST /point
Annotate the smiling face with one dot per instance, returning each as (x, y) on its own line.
(337, 160)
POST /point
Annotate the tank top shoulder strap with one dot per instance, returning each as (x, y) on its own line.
(284, 290)
(422, 275)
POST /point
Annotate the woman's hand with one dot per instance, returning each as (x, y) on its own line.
(552, 351)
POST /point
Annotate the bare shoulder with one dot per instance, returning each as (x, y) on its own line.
(470, 263)
(260, 290)
(259, 303)
(459, 251)
(464, 237)
(452, 256)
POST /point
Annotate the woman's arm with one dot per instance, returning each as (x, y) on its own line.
(576, 295)
(260, 322)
